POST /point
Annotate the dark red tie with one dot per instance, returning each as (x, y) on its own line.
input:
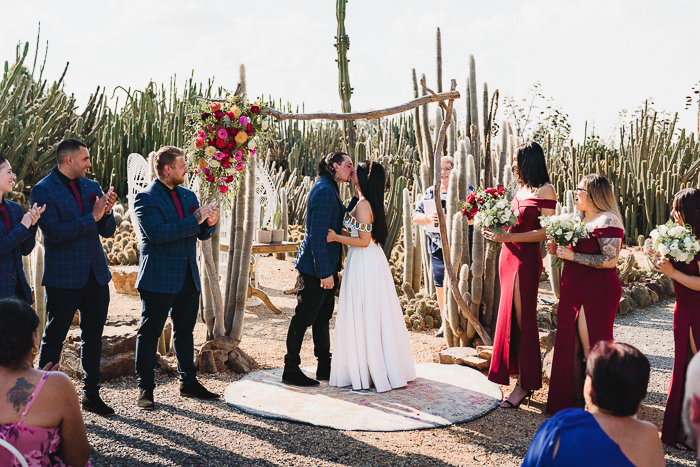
(5, 217)
(76, 193)
(178, 205)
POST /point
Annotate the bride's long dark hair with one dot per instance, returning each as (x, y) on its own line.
(372, 184)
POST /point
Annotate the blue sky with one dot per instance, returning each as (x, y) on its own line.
(594, 58)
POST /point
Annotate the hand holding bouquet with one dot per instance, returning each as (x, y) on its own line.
(491, 210)
(674, 242)
(564, 230)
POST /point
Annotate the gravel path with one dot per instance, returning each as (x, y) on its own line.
(195, 433)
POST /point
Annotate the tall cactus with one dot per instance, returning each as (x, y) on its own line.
(344, 89)
(409, 255)
(39, 290)
(416, 120)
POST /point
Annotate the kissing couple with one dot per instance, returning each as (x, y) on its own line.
(371, 347)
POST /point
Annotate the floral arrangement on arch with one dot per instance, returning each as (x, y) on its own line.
(224, 138)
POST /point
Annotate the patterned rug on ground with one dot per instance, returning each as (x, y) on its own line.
(440, 396)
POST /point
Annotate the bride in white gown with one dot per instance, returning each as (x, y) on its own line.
(371, 345)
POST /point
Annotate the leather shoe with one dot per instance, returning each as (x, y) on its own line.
(323, 371)
(95, 404)
(196, 390)
(145, 401)
(296, 377)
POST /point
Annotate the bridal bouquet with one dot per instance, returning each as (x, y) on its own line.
(674, 242)
(223, 136)
(565, 230)
(490, 208)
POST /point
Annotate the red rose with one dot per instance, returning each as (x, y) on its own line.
(255, 109)
(481, 201)
(231, 145)
(471, 198)
(249, 130)
(230, 115)
(229, 179)
(489, 191)
(223, 189)
(473, 212)
(205, 115)
(464, 211)
(501, 190)
(221, 143)
(211, 142)
(233, 131)
(210, 178)
(218, 115)
(225, 164)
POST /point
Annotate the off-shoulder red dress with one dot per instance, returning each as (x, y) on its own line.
(598, 291)
(522, 260)
(686, 316)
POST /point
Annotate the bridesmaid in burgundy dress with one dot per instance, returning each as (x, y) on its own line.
(590, 291)
(516, 346)
(686, 317)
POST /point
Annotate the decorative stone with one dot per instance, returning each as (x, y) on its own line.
(547, 339)
(667, 284)
(125, 282)
(477, 363)
(454, 354)
(654, 296)
(547, 363)
(657, 288)
(641, 296)
(212, 361)
(625, 306)
(485, 352)
(240, 362)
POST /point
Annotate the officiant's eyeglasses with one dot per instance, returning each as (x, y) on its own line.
(446, 169)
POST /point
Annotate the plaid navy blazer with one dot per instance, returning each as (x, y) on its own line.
(324, 210)
(168, 244)
(71, 239)
(18, 242)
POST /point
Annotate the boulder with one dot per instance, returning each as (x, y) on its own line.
(626, 305)
(485, 352)
(454, 354)
(124, 282)
(667, 284)
(658, 288)
(641, 295)
(547, 339)
(240, 362)
(654, 296)
(477, 363)
(118, 352)
(212, 361)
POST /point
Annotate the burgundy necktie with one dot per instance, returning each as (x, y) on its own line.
(5, 217)
(178, 205)
(76, 193)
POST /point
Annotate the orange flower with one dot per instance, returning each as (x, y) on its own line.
(241, 137)
(214, 106)
(200, 143)
(202, 163)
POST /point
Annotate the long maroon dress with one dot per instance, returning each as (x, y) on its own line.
(686, 316)
(598, 291)
(522, 260)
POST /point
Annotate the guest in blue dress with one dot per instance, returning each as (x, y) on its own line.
(17, 232)
(608, 432)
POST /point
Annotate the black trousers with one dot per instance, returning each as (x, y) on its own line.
(182, 308)
(92, 301)
(314, 308)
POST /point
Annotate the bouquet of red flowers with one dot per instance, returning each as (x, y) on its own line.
(223, 136)
(482, 198)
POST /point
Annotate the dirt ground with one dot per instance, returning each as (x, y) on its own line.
(187, 432)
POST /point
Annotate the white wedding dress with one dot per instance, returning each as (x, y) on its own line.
(371, 345)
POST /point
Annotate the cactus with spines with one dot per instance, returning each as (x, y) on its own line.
(37, 277)
(474, 117)
(408, 240)
(453, 313)
(284, 214)
(554, 270)
(344, 89)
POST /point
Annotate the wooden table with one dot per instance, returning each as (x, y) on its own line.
(260, 249)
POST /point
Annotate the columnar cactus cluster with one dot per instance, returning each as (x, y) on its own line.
(123, 248)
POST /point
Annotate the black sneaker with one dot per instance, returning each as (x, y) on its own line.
(145, 401)
(196, 390)
(296, 377)
(323, 370)
(95, 404)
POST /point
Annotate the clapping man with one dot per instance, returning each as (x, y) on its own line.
(76, 274)
(170, 220)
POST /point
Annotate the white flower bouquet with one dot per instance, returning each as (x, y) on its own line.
(565, 230)
(496, 215)
(674, 242)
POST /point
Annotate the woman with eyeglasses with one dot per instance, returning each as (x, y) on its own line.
(589, 291)
(437, 262)
(516, 344)
(686, 317)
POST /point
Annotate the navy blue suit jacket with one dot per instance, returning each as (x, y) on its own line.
(18, 242)
(324, 210)
(71, 239)
(168, 243)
